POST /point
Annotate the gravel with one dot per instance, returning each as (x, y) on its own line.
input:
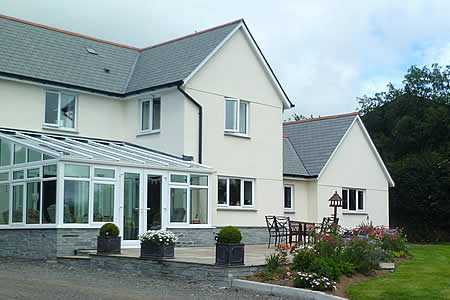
(37, 279)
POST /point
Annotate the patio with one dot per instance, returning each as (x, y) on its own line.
(254, 254)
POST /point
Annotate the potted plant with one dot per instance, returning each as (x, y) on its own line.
(158, 244)
(229, 250)
(109, 242)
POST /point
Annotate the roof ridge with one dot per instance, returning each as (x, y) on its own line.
(190, 35)
(321, 118)
(113, 43)
(67, 32)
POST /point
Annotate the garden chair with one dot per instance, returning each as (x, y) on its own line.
(282, 226)
(295, 230)
(271, 227)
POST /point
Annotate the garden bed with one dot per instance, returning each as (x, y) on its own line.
(335, 260)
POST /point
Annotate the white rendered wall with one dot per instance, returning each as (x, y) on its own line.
(354, 165)
(303, 203)
(234, 71)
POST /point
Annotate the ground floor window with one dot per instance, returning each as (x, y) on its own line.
(188, 199)
(235, 192)
(353, 199)
(288, 197)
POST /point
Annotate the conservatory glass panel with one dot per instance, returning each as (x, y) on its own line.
(49, 171)
(33, 173)
(33, 155)
(19, 154)
(33, 202)
(76, 171)
(17, 175)
(4, 204)
(199, 206)
(103, 202)
(17, 205)
(199, 180)
(4, 176)
(104, 173)
(178, 205)
(76, 201)
(49, 202)
(5, 153)
(178, 178)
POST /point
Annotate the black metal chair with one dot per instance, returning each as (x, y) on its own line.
(271, 227)
(282, 226)
(326, 223)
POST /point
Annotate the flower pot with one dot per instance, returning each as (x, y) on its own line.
(108, 244)
(229, 254)
(153, 251)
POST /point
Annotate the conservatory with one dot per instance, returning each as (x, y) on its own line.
(63, 182)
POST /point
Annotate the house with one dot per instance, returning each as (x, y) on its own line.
(334, 154)
(185, 135)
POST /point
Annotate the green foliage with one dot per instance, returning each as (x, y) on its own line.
(362, 253)
(273, 263)
(229, 235)
(427, 83)
(325, 266)
(412, 135)
(109, 229)
(346, 268)
(303, 258)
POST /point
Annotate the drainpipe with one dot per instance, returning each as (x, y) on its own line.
(200, 122)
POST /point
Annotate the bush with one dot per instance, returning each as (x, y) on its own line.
(229, 235)
(362, 253)
(314, 281)
(303, 258)
(110, 230)
(326, 267)
(346, 268)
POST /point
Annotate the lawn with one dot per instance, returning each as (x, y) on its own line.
(425, 276)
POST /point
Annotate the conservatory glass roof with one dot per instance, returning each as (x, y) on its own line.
(97, 150)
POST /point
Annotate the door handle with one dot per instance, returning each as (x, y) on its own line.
(148, 209)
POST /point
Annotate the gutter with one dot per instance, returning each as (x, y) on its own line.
(200, 122)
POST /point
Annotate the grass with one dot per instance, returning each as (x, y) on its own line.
(425, 276)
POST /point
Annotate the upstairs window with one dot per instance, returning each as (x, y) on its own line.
(151, 114)
(353, 199)
(60, 110)
(236, 116)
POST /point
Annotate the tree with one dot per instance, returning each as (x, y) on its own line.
(410, 128)
(426, 83)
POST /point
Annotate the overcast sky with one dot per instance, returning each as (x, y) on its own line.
(325, 53)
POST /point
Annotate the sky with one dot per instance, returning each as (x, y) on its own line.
(325, 53)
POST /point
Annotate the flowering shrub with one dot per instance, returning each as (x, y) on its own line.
(158, 238)
(391, 239)
(282, 251)
(314, 281)
(303, 257)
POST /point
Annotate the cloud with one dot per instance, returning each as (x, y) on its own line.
(325, 53)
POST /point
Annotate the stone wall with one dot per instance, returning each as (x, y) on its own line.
(46, 243)
(195, 237)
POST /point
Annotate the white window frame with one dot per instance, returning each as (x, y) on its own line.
(188, 186)
(236, 130)
(150, 129)
(227, 204)
(357, 210)
(58, 122)
(292, 197)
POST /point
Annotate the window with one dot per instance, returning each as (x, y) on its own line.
(288, 197)
(353, 199)
(189, 199)
(235, 192)
(17, 204)
(236, 116)
(104, 173)
(103, 202)
(4, 204)
(60, 110)
(76, 201)
(151, 114)
(5, 153)
(33, 202)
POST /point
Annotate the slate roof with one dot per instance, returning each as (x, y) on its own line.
(308, 144)
(36, 51)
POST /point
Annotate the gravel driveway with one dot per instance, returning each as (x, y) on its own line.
(36, 280)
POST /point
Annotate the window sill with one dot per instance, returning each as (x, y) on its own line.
(354, 213)
(240, 135)
(72, 130)
(148, 132)
(289, 211)
(237, 208)
(204, 226)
